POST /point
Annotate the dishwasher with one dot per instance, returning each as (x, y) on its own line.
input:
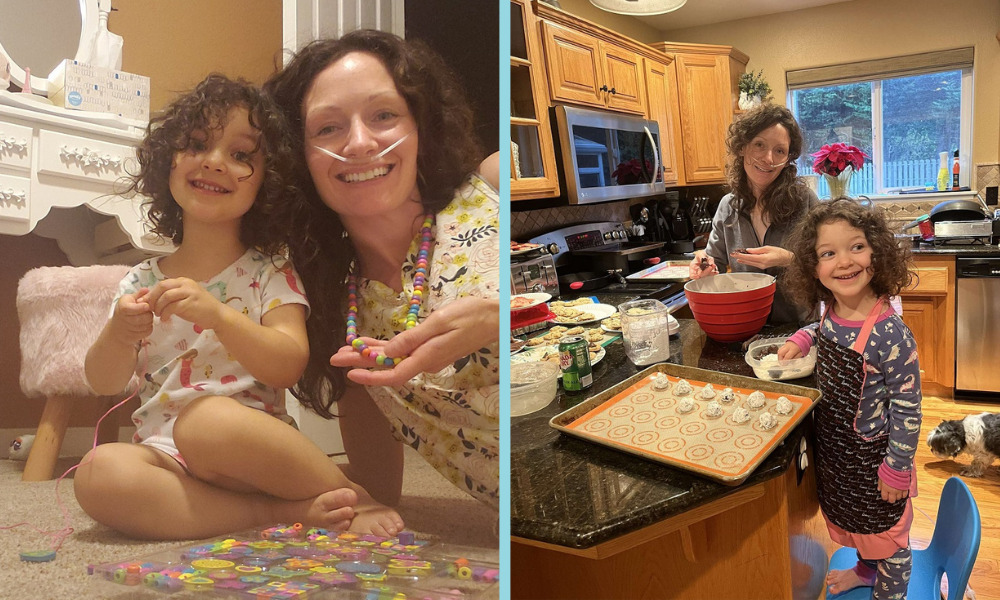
(977, 324)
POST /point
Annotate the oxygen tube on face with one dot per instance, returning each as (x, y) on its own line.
(362, 159)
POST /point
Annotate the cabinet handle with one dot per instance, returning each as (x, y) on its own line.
(13, 145)
(604, 88)
(91, 158)
(613, 91)
(10, 195)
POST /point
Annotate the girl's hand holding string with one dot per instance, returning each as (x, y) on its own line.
(132, 320)
(451, 332)
(185, 298)
(891, 494)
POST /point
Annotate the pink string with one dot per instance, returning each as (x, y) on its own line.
(58, 536)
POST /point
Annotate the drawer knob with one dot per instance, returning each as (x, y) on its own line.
(86, 157)
(12, 195)
(11, 144)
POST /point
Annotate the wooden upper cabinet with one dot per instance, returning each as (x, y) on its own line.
(707, 90)
(583, 69)
(533, 159)
(661, 96)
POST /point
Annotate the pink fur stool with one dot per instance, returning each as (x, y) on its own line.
(61, 311)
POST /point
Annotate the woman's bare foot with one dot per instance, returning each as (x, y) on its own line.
(334, 510)
(375, 518)
(839, 582)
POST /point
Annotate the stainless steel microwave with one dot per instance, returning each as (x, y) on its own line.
(608, 156)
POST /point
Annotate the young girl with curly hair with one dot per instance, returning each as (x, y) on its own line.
(214, 333)
(868, 422)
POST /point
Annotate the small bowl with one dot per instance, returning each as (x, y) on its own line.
(533, 386)
(774, 370)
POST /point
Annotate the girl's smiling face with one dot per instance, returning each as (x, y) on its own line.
(844, 261)
(216, 179)
(354, 110)
(765, 156)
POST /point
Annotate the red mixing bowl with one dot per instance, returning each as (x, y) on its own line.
(731, 307)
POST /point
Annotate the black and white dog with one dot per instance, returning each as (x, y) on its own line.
(979, 435)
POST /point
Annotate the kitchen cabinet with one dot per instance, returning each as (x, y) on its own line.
(533, 159)
(929, 312)
(707, 91)
(589, 65)
(661, 103)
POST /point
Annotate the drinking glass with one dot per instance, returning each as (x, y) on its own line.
(645, 330)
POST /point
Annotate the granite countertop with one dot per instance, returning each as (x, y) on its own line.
(573, 493)
(969, 250)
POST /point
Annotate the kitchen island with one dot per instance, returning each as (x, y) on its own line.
(588, 521)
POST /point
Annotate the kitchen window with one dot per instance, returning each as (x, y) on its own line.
(902, 112)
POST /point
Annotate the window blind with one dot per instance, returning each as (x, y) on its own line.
(881, 68)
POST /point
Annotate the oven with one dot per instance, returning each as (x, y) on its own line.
(598, 257)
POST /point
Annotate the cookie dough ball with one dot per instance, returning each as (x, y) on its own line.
(714, 409)
(756, 400)
(741, 415)
(708, 392)
(766, 420)
(685, 406)
(682, 387)
(660, 382)
(783, 406)
(727, 395)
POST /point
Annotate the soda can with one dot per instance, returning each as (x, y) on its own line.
(574, 358)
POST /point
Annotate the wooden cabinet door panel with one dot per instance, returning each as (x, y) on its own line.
(574, 66)
(705, 113)
(920, 315)
(661, 87)
(623, 74)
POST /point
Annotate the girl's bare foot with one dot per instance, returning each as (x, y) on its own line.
(330, 510)
(841, 581)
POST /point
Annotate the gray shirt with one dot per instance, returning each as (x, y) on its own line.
(731, 231)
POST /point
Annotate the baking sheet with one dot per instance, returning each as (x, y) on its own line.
(635, 418)
(661, 272)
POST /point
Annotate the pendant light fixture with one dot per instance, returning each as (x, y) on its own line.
(639, 8)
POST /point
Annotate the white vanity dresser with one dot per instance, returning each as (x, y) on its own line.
(50, 161)
(61, 170)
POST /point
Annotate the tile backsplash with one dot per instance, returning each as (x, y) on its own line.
(529, 223)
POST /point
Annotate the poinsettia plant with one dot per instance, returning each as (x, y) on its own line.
(832, 159)
(630, 171)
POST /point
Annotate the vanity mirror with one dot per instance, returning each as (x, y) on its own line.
(41, 33)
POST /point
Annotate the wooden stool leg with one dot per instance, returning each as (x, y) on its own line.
(51, 430)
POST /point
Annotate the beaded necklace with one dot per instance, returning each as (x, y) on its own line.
(416, 298)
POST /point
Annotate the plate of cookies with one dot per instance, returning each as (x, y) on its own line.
(583, 313)
(551, 353)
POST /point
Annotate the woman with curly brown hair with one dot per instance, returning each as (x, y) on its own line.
(868, 424)
(767, 199)
(396, 237)
(214, 333)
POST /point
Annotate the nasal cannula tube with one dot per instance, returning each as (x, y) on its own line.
(363, 159)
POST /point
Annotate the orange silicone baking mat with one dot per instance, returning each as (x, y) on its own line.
(636, 417)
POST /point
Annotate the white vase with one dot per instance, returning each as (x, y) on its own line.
(747, 102)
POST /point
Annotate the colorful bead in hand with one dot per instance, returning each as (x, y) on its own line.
(416, 298)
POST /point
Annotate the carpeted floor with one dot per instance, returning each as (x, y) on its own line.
(431, 505)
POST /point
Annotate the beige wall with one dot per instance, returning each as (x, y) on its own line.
(177, 42)
(861, 30)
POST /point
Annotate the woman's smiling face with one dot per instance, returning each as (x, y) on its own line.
(765, 156)
(354, 110)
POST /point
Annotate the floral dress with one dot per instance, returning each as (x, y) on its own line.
(450, 417)
(182, 362)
